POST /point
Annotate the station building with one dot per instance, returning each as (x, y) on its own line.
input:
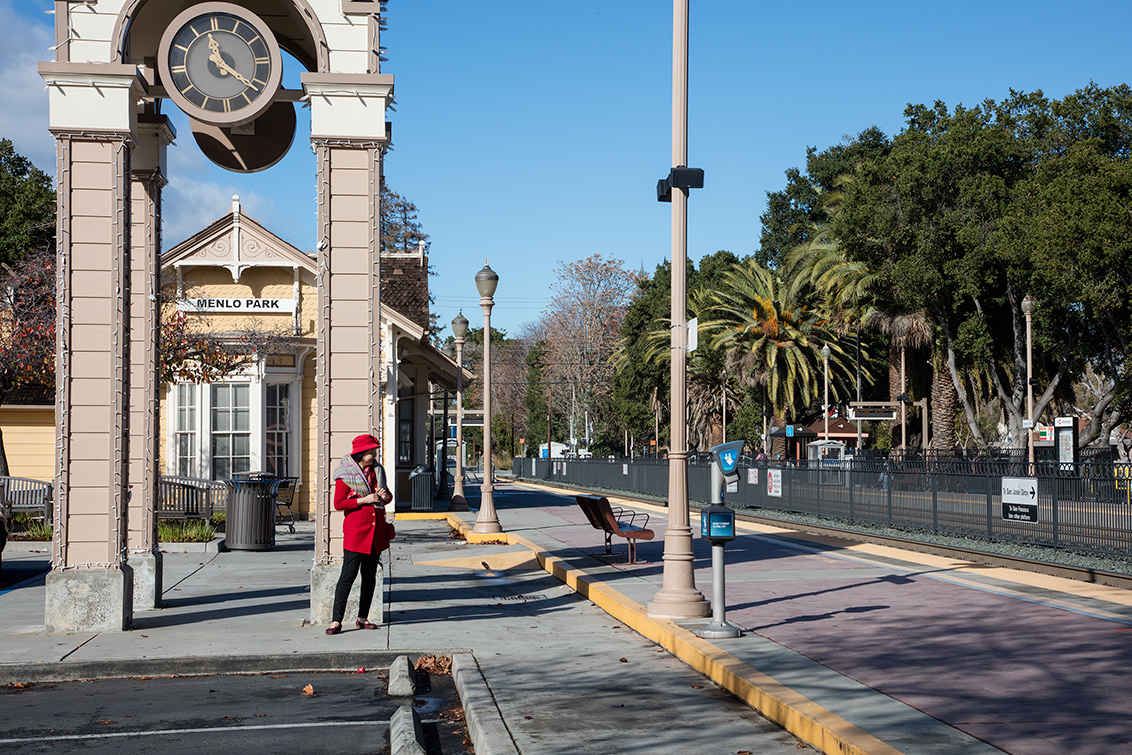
(236, 279)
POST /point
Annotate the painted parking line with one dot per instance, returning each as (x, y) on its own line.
(202, 730)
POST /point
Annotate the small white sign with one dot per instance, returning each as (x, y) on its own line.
(752, 475)
(1027, 424)
(1020, 499)
(1063, 422)
(624, 469)
(774, 483)
(246, 304)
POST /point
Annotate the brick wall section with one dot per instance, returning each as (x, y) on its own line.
(404, 285)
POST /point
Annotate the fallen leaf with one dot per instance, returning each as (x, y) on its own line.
(743, 752)
(18, 685)
(308, 691)
(697, 686)
(104, 721)
(260, 715)
(624, 660)
(434, 664)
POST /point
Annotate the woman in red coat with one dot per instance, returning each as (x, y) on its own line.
(360, 490)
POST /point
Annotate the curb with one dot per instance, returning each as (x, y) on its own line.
(486, 727)
(71, 671)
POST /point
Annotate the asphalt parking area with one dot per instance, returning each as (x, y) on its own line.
(307, 712)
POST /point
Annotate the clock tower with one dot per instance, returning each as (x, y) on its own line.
(120, 66)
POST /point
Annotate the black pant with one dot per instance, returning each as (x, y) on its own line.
(367, 563)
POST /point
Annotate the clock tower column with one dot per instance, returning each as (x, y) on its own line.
(94, 120)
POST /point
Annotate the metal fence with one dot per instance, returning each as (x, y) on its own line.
(1085, 507)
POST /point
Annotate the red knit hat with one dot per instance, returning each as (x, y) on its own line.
(364, 443)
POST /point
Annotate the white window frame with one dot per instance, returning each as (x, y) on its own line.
(257, 378)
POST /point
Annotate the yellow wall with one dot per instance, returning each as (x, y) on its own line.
(29, 441)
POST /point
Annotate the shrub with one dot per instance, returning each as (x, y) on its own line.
(185, 531)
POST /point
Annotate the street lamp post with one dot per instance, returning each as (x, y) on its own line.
(678, 597)
(459, 330)
(1028, 307)
(486, 521)
(825, 404)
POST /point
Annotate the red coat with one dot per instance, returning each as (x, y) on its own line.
(363, 535)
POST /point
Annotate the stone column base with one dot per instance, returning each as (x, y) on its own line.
(324, 578)
(147, 580)
(89, 600)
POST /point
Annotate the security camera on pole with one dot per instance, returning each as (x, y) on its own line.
(717, 526)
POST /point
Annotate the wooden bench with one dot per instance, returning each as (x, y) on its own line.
(23, 495)
(615, 521)
(189, 498)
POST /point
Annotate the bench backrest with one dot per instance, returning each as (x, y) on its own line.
(189, 497)
(598, 512)
(20, 494)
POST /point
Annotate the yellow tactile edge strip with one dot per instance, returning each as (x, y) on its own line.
(816, 726)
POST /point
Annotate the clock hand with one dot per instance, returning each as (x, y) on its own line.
(214, 46)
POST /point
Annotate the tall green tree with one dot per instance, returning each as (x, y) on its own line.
(974, 208)
(27, 206)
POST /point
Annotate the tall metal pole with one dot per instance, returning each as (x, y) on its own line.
(459, 330)
(825, 404)
(678, 597)
(486, 521)
(1028, 308)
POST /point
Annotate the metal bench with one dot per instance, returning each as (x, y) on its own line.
(615, 521)
(190, 498)
(21, 495)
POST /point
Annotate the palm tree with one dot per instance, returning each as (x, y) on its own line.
(904, 330)
(772, 330)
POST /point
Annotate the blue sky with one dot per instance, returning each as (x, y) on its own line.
(529, 132)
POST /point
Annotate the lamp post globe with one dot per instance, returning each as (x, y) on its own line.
(459, 330)
(487, 522)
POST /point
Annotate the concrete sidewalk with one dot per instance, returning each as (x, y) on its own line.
(854, 649)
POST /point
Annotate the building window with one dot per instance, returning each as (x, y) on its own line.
(277, 425)
(405, 431)
(185, 438)
(231, 430)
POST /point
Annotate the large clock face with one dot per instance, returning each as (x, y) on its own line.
(220, 63)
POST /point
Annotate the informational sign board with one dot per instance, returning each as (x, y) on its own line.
(774, 483)
(790, 431)
(752, 475)
(1020, 499)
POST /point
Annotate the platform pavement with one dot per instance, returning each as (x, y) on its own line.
(853, 648)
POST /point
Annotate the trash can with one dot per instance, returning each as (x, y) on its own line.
(250, 522)
(420, 479)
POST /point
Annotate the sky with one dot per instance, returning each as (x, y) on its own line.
(530, 133)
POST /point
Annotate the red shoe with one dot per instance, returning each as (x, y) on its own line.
(334, 630)
(364, 624)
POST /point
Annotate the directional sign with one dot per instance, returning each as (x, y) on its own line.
(790, 431)
(1020, 499)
